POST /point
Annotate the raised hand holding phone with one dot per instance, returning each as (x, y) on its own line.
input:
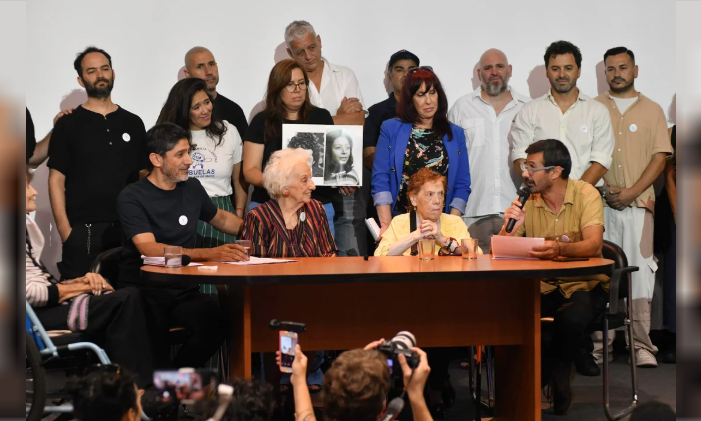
(288, 345)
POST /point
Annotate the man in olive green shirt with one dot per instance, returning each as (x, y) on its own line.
(569, 215)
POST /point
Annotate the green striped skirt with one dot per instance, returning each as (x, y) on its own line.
(210, 237)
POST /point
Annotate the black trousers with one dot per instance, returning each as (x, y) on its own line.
(83, 245)
(572, 326)
(200, 315)
(116, 323)
(670, 281)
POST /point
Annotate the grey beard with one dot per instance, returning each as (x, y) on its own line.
(493, 90)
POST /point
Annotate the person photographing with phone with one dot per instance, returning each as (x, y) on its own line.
(569, 214)
(357, 384)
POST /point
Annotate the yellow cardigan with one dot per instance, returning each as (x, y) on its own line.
(451, 226)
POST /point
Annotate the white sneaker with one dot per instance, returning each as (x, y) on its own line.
(644, 358)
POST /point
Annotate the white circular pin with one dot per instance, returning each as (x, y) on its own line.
(633, 128)
(302, 216)
(182, 220)
(126, 137)
(583, 129)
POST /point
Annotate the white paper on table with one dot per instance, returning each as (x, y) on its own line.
(259, 261)
(504, 247)
(160, 261)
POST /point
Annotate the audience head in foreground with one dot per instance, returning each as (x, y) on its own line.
(653, 411)
(426, 193)
(106, 393)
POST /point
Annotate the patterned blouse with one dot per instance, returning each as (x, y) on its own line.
(424, 149)
(265, 227)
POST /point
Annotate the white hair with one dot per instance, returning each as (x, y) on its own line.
(278, 170)
(298, 29)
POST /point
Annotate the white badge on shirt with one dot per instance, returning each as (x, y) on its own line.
(126, 137)
(633, 128)
(583, 129)
(182, 220)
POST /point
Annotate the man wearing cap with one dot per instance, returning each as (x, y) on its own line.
(336, 89)
(399, 64)
(642, 147)
(486, 116)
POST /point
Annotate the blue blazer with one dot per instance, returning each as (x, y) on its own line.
(388, 167)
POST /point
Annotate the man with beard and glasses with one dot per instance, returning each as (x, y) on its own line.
(200, 63)
(486, 116)
(564, 113)
(162, 210)
(570, 216)
(94, 153)
(642, 148)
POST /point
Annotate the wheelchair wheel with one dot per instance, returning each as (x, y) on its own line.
(35, 381)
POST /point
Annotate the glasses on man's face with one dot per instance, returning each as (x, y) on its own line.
(414, 69)
(291, 87)
(531, 170)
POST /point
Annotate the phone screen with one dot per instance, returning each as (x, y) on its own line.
(185, 386)
(288, 342)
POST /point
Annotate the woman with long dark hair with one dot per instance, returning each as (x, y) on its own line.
(421, 137)
(217, 154)
(286, 102)
(339, 159)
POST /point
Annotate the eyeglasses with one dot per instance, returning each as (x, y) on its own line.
(531, 170)
(291, 87)
(414, 69)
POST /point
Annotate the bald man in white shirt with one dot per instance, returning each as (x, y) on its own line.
(486, 116)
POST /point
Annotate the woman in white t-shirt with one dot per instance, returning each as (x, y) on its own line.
(216, 155)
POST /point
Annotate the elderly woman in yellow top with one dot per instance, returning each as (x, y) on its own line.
(426, 193)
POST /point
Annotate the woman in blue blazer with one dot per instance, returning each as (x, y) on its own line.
(421, 137)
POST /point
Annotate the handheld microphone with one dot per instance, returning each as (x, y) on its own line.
(186, 260)
(523, 194)
(394, 407)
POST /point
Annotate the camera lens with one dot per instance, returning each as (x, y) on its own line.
(404, 340)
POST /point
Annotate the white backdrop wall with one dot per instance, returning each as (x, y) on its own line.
(148, 40)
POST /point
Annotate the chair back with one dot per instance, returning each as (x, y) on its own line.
(613, 252)
(107, 265)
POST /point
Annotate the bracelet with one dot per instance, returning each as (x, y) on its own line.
(559, 249)
(239, 208)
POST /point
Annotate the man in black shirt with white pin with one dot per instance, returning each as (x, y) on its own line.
(200, 63)
(162, 210)
(94, 153)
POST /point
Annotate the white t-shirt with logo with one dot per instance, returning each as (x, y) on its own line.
(213, 166)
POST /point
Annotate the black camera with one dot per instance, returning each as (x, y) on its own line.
(400, 344)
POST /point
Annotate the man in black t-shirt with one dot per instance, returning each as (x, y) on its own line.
(200, 63)
(94, 152)
(162, 210)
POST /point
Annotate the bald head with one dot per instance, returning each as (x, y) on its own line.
(493, 55)
(494, 72)
(200, 63)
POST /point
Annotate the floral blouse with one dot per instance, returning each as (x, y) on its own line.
(424, 149)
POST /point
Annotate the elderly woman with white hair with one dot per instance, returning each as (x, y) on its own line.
(292, 224)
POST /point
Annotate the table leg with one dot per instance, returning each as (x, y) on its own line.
(517, 385)
(240, 316)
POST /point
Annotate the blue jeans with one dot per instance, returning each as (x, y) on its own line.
(330, 213)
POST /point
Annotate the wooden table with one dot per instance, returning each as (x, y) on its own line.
(348, 302)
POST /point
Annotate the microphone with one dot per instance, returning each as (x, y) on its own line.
(523, 194)
(393, 409)
(186, 260)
